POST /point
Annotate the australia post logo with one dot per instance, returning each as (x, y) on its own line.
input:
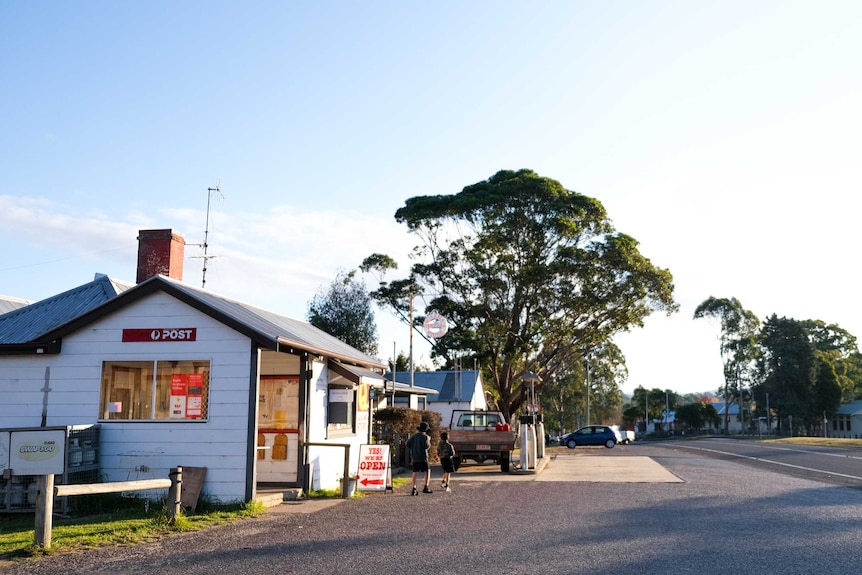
(168, 334)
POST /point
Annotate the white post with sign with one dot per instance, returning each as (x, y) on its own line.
(375, 471)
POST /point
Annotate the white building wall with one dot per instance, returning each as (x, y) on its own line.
(22, 379)
(327, 463)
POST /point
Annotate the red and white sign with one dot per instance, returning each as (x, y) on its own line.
(187, 395)
(375, 472)
(435, 325)
(169, 334)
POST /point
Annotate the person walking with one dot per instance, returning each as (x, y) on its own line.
(418, 446)
(446, 453)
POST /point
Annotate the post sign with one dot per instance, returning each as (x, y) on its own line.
(41, 452)
(375, 471)
(168, 334)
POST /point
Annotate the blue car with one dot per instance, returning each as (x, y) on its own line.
(591, 435)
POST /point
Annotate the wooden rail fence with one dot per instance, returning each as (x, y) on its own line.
(46, 491)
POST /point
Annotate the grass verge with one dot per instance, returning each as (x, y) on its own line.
(111, 520)
(822, 441)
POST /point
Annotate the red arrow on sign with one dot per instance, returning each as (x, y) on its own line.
(372, 481)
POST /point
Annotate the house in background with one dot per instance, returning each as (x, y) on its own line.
(734, 423)
(847, 421)
(176, 375)
(457, 389)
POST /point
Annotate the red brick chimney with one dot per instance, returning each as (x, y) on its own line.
(160, 252)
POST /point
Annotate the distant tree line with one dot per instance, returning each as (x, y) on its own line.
(800, 370)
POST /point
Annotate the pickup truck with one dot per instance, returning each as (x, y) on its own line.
(482, 436)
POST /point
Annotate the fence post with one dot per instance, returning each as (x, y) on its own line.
(175, 493)
(44, 511)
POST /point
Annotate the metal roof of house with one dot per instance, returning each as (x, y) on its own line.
(852, 408)
(456, 385)
(268, 329)
(29, 323)
(732, 408)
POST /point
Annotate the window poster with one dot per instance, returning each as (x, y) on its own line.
(362, 397)
(195, 396)
(187, 395)
(179, 384)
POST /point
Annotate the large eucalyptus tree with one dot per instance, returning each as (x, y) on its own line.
(529, 274)
(738, 345)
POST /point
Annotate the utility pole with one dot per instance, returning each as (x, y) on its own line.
(768, 421)
(588, 389)
(411, 339)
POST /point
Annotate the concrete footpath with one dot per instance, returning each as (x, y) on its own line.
(585, 465)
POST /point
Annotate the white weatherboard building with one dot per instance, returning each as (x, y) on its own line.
(175, 375)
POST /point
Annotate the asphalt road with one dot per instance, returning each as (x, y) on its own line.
(829, 464)
(708, 515)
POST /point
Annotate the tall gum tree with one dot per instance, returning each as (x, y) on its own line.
(528, 274)
(738, 345)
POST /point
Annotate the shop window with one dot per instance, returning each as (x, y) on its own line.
(154, 390)
(278, 403)
(342, 409)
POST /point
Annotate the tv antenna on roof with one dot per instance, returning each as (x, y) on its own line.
(205, 245)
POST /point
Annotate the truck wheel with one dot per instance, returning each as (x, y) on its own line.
(610, 443)
(504, 462)
(571, 444)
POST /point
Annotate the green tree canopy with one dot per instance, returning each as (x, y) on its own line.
(806, 367)
(787, 368)
(344, 311)
(528, 275)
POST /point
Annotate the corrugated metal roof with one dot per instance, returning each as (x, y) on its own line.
(852, 408)
(455, 385)
(732, 408)
(29, 323)
(269, 329)
(279, 329)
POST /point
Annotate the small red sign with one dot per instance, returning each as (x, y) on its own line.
(169, 334)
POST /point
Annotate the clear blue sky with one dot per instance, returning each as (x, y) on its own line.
(724, 136)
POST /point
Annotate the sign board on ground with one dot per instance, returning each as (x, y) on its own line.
(375, 471)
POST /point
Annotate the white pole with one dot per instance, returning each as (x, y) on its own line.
(411, 341)
(588, 390)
